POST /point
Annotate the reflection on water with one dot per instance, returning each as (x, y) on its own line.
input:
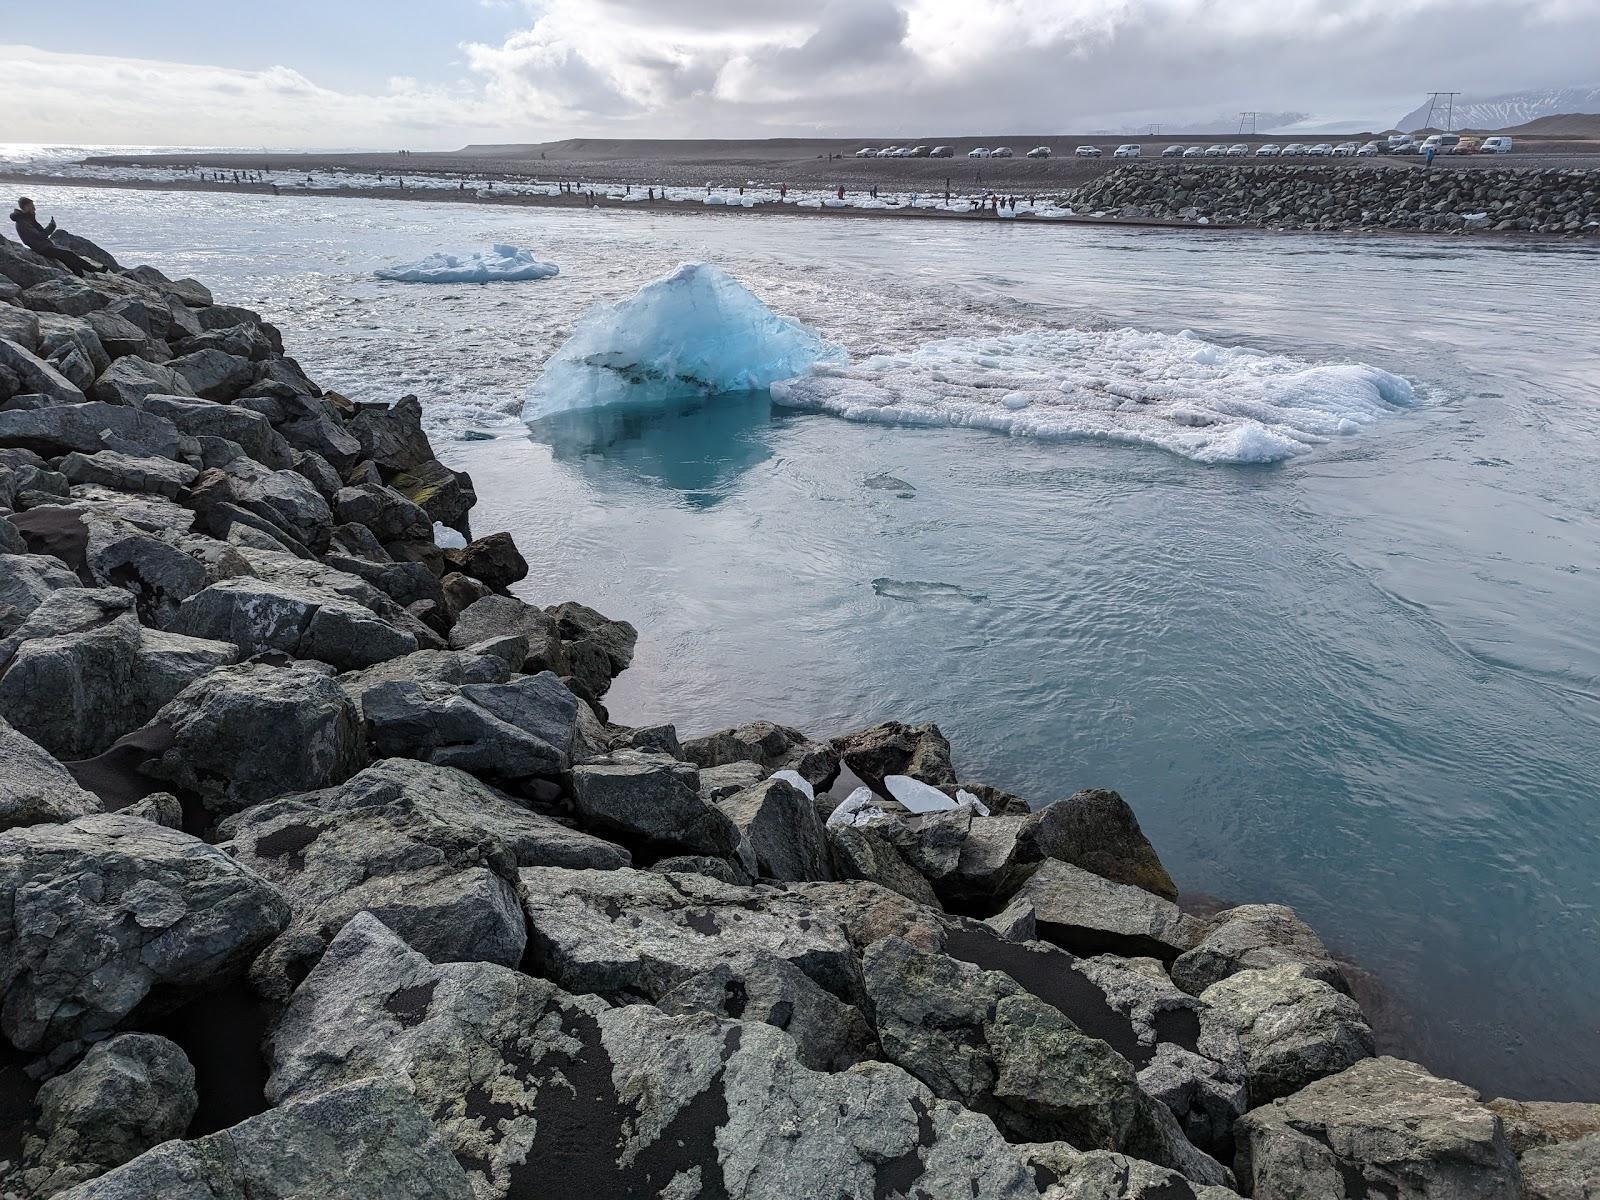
(696, 448)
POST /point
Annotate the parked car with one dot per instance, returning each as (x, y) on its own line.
(1001, 152)
(941, 152)
(1408, 146)
(1320, 150)
(1495, 145)
(1467, 145)
(1217, 151)
(1370, 150)
(1396, 140)
(977, 152)
(1294, 148)
(1087, 152)
(1195, 152)
(1172, 152)
(1039, 152)
(1268, 151)
(1345, 150)
(920, 152)
(1238, 150)
(866, 152)
(1440, 143)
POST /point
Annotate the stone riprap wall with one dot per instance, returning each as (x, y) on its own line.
(1280, 196)
(324, 873)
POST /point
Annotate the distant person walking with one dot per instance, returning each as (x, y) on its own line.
(1427, 158)
(37, 238)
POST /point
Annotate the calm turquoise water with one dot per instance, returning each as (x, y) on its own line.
(1365, 682)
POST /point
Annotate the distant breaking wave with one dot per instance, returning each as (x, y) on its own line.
(1209, 403)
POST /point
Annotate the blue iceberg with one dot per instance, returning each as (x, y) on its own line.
(694, 333)
(498, 264)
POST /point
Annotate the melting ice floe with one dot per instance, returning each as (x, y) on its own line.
(695, 332)
(498, 264)
(1207, 402)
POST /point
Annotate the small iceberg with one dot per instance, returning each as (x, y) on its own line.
(918, 797)
(498, 264)
(694, 333)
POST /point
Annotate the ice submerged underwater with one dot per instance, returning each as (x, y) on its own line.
(698, 333)
(498, 264)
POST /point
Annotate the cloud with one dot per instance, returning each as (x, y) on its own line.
(708, 68)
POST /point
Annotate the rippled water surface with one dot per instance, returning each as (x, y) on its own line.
(1365, 681)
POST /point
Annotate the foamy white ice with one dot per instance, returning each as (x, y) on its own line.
(695, 332)
(1207, 402)
(498, 264)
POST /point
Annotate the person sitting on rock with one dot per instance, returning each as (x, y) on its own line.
(37, 238)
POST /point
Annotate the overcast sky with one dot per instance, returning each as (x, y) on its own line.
(435, 74)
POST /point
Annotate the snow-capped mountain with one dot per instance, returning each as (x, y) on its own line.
(1502, 112)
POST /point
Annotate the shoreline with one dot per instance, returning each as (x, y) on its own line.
(681, 207)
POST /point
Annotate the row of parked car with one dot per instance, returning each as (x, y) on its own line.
(1399, 143)
(909, 152)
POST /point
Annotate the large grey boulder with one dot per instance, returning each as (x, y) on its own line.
(34, 787)
(25, 268)
(772, 747)
(430, 851)
(990, 864)
(285, 504)
(1254, 936)
(784, 832)
(130, 1093)
(455, 667)
(81, 672)
(34, 375)
(1383, 1127)
(250, 431)
(893, 748)
(494, 617)
(129, 380)
(247, 733)
(1096, 830)
(25, 581)
(518, 729)
(97, 913)
(653, 801)
(129, 473)
(213, 374)
(71, 297)
(543, 1093)
(1563, 1171)
(91, 427)
(1063, 1173)
(302, 621)
(979, 1038)
(1086, 914)
(366, 1140)
(384, 511)
(867, 853)
(1294, 1029)
(446, 496)
(392, 436)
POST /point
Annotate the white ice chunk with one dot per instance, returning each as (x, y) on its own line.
(695, 332)
(917, 796)
(1208, 402)
(857, 804)
(498, 264)
(446, 538)
(798, 780)
(966, 799)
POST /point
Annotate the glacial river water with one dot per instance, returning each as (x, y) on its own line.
(1364, 681)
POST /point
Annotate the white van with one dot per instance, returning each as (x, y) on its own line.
(1495, 145)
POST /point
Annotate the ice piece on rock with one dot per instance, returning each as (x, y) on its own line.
(447, 539)
(967, 799)
(498, 264)
(854, 806)
(695, 332)
(799, 781)
(916, 795)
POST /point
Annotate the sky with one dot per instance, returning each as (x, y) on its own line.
(439, 74)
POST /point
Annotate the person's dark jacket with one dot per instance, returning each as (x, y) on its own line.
(33, 235)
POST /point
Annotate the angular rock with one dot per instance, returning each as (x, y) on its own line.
(784, 832)
(35, 376)
(25, 581)
(773, 747)
(1254, 936)
(1086, 914)
(493, 560)
(992, 862)
(71, 297)
(91, 427)
(427, 666)
(392, 437)
(505, 616)
(286, 504)
(670, 1105)
(251, 431)
(1294, 1029)
(446, 496)
(367, 1140)
(1532, 1123)
(716, 783)
(96, 913)
(388, 514)
(305, 622)
(514, 730)
(129, 1094)
(1062, 1173)
(430, 851)
(129, 380)
(155, 476)
(866, 853)
(1096, 830)
(920, 751)
(653, 802)
(34, 787)
(1383, 1127)
(213, 374)
(248, 733)
(1564, 1171)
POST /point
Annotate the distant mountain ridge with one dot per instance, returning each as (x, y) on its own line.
(1503, 112)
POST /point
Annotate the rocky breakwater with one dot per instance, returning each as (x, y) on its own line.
(1278, 196)
(323, 871)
